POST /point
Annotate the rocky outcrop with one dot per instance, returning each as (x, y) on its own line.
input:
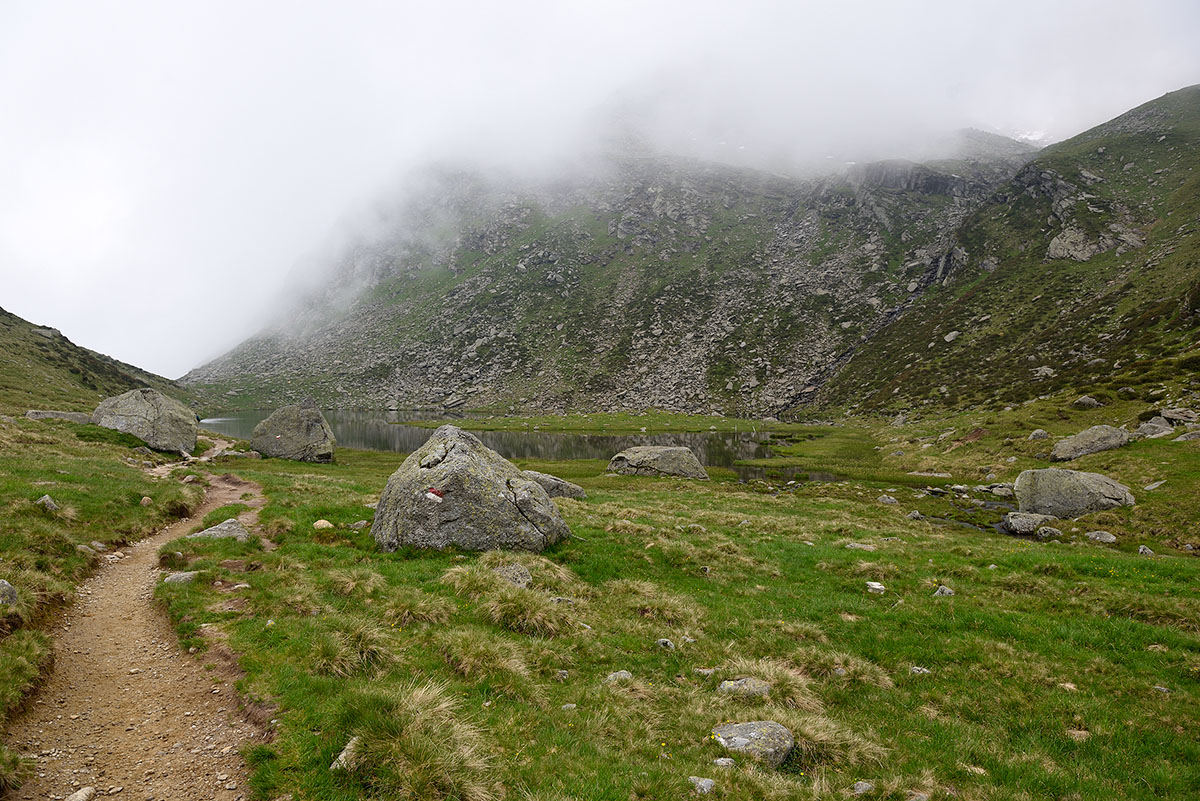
(554, 486)
(454, 491)
(161, 422)
(657, 460)
(1069, 493)
(46, 414)
(298, 432)
(1091, 440)
(1156, 426)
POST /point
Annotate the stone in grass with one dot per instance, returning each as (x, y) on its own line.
(359, 525)
(858, 546)
(914, 515)
(227, 529)
(702, 786)
(186, 577)
(763, 740)
(618, 675)
(1100, 536)
(1069, 493)
(8, 593)
(745, 687)
(1038, 433)
(917, 670)
(514, 573)
(1144, 551)
(47, 503)
(346, 759)
(862, 788)
(554, 486)
(724, 762)
(1087, 402)
(943, 590)
(322, 524)
(1047, 532)
(161, 422)
(1023, 523)
(663, 642)
(888, 499)
(876, 587)
(1090, 440)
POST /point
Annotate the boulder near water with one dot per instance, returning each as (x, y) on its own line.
(298, 432)
(455, 491)
(163, 423)
(657, 460)
(1067, 494)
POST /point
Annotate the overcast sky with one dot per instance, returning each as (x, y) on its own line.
(165, 165)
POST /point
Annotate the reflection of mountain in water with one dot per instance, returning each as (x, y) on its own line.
(378, 431)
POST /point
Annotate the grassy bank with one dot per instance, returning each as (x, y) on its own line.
(1057, 670)
(94, 477)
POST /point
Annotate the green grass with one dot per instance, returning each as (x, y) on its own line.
(1043, 665)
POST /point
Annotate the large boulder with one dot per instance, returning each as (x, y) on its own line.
(1069, 493)
(298, 432)
(163, 423)
(455, 491)
(554, 486)
(1091, 440)
(657, 460)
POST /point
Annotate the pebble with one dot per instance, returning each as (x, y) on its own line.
(703, 786)
(876, 587)
(663, 642)
(861, 788)
(943, 590)
(920, 671)
(568, 707)
(1144, 551)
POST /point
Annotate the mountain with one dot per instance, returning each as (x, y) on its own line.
(1082, 271)
(42, 369)
(633, 281)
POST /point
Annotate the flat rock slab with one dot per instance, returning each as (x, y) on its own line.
(554, 486)
(163, 423)
(764, 740)
(228, 529)
(1067, 494)
(658, 460)
(1091, 440)
(454, 491)
(298, 432)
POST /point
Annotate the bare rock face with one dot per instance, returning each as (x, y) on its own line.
(163, 423)
(298, 432)
(657, 460)
(1091, 440)
(455, 491)
(554, 486)
(1067, 494)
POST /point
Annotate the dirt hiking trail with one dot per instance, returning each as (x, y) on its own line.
(125, 710)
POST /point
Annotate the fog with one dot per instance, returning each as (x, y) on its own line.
(165, 167)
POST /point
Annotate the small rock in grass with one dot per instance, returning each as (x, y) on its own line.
(358, 525)
(8, 593)
(346, 759)
(858, 546)
(704, 671)
(227, 529)
(876, 587)
(764, 740)
(917, 796)
(746, 687)
(992, 567)
(1144, 551)
(97, 546)
(943, 590)
(322, 524)
(1162, 689)
(887, 499)
(919, 671)
(1087, 402)
(663, 642)
(703, 786)
(861, 788)
(560, 675)
(568, 707)
(618, 675)
(147, 500)
(514, 573)
(1038, 433)
(47, 503)
(724, 762)
(1155, 485)
(85, 550)
(1047, 532)
(186, 577)
(1100, 536)
(914, 515)
(189, 479)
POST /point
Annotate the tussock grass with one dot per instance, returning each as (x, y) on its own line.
(479, 655)
(356, 581)
(648, 601)
(356, 647)
(527, 612)
(416, 744)
(790, 688)
(838, 666)
(406, 606)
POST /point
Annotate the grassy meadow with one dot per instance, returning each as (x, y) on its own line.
(1063, 669)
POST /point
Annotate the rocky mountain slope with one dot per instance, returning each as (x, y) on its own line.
(636, 282)
(40, 368)
(1083, 271)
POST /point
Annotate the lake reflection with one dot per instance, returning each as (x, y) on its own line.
(382, 431)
